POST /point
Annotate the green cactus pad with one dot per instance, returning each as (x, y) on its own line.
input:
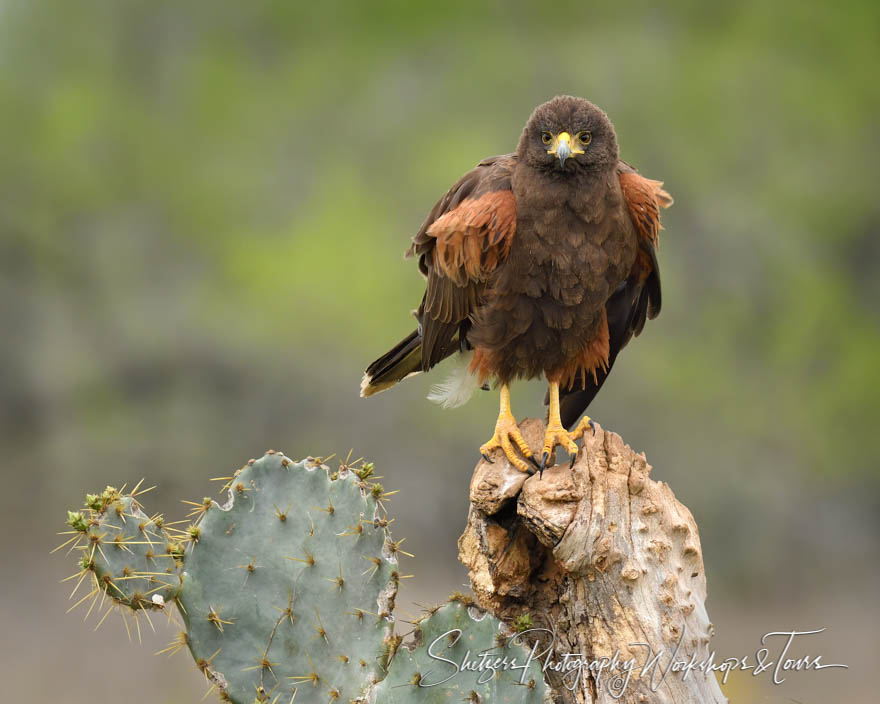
(127, 552)
(286, 590)
(459, 633)
(289, 585)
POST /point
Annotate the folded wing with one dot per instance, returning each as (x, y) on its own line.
(461, 243)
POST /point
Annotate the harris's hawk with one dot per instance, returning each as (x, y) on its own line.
(538, 262)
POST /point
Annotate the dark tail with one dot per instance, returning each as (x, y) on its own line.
(403, 359)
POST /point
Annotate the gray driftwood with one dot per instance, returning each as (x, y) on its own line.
(603, 557)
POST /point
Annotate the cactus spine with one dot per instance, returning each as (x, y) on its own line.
(286, 590)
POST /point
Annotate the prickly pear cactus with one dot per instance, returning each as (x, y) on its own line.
(127, 551)
(286, 590)
(289, 585)
(459, 654)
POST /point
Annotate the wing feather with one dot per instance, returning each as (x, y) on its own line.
(463, 240)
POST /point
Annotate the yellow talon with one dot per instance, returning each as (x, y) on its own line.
(556, 434)
(581, 428)
(507, 436)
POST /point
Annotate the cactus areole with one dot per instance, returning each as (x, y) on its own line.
(285, 592)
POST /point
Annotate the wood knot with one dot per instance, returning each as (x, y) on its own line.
(630, 573)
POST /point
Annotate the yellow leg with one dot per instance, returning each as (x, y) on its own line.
(507, 436)
(556, 434)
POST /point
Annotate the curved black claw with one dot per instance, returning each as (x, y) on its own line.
(592, 426)
(544, 458)
(531, 458)
(573, 459)
(487, 458)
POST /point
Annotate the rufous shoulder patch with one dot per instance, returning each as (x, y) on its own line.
(644, 197)
(475, 237)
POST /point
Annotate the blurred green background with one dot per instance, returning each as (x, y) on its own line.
(204, 208)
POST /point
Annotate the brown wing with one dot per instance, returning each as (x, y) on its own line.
(636, 299)
(644, 197)
(464, 238)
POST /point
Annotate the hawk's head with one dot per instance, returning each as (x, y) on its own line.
(568, 134)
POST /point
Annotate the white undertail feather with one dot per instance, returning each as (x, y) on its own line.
(459, 386)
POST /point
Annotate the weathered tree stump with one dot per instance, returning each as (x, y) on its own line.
(602, 557)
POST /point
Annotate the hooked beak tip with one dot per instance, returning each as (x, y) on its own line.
(563, 148)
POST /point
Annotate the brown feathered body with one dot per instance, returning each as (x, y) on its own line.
(541, 265)
(544, 308)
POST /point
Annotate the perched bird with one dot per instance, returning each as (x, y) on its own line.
(538, 262)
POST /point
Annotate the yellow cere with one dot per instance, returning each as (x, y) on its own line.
(564, 137)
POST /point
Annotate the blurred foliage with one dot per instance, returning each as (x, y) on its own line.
(205, 206)
(232, 147)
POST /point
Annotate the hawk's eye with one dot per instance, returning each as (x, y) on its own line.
(584, 137)
(546, 137)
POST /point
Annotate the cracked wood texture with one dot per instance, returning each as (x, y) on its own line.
(602, 556)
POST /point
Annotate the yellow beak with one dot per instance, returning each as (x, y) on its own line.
(562, 148)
